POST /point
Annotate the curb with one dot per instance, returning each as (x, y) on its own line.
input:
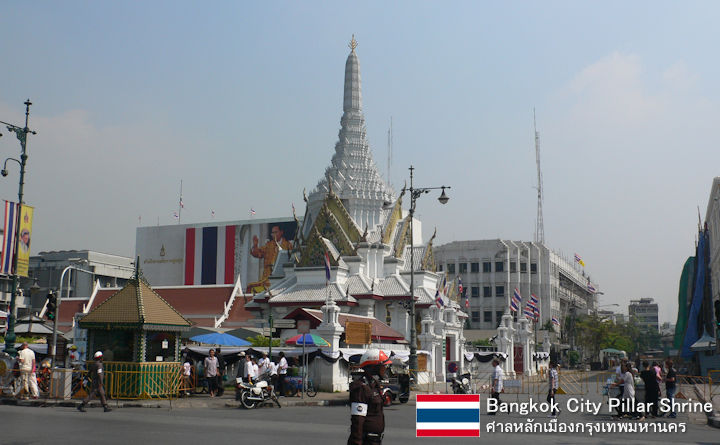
(291, 403)
(713, 417)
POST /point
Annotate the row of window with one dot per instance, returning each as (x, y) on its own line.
(487, 267)
(487, 316)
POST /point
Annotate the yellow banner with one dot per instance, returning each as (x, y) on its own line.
(23, 245)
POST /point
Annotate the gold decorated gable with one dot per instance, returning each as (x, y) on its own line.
(335, 224)
(428, 261)
(392, 220)
(403, 237)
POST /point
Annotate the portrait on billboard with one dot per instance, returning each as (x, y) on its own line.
(280, 237)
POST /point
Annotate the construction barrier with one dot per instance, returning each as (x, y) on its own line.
(147, 380)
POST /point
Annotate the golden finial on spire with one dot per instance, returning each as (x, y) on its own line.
(353, 43)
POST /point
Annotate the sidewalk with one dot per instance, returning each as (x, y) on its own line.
(714, 417)
(194, 401)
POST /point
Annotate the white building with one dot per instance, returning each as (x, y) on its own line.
(369, 249)
(645, 311)
(492, 269)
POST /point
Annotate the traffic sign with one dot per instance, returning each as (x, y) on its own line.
(303, 326)
(452, 367)
(266, 331)
(284, 323)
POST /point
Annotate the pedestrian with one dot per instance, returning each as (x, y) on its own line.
(367, 420)
(652, 389)
(220, 373)
(496, 386)
(249, 370)
(628, 383)
(26, 361)
(670, 385)
(273, 370)
(264, 364)
(241, 370)
(282, 372)
(619, 371)
(658, 376)
(256, 369)
(187, 375)
(211, 371)
(553, 384)
(97, 383)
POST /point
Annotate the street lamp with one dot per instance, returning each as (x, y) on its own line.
(21, 134)
(59, 299)
(415, 193)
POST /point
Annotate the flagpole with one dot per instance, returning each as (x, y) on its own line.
(180, 203)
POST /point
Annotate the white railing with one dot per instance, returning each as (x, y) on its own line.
(91, 300)
(237, 290)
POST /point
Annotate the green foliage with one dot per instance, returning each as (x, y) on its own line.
(573, 358)
(482, 342)
(260, 340)
(592, 333)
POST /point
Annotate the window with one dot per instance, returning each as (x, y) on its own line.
(463, 267)
(487, 291)
(498, 317)
(533, 268)
(441, 268)
(523, 267)
(451, 268)
(475, 267)
(475, 292)
(388, 314)
(487, 317)
(498, 266)
(487, 266)
(475, 316)
(513, 267)
(499, 291)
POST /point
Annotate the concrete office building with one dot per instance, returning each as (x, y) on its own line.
(492, 269)
(645, 310)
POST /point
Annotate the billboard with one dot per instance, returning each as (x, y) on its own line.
(23, 245)
(215, 253)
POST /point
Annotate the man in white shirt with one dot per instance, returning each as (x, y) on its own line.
(282, 372)
(273, 370)
(264, 364)
(497, 382)
(26, 360)
(249, 369)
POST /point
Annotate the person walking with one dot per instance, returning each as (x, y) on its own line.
(249, 373)
(670, 385)
(553, 384)
(273, 370)
(211, 372)
(187, 376)
(220, 373)
(27, 366)
(97, 383)
(652, 389)
(367, 420)
(496, 386)
(282, 372)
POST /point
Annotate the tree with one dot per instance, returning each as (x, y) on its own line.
(260, 340)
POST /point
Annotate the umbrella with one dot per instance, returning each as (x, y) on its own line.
(216, 338)
(308, 340)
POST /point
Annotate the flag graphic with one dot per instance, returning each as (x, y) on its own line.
(327, 266)
(252, 212)
(467, 302)
(579, 260)
(447, 415)
(439, 302)
(212, 213)
(591, 288)
(8, 245)
(516, 300)
(555, 321)
(210, 255)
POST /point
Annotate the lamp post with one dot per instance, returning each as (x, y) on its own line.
(53, 347)
(21, 134)
(415, 193)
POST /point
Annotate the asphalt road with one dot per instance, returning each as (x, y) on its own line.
(296, 425)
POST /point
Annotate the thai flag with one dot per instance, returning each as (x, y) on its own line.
(516, 300)
(579, 260)
(210, 255)
(529, 313)
(252, 212)
(327, 266)
(555, 321)
(591, 288)
(460, 286)
(447, 415)
(533, 301)
(439, 302)
(8, 245)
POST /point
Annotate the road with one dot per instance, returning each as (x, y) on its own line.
(315, 425)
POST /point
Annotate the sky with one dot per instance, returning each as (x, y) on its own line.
(242, 102)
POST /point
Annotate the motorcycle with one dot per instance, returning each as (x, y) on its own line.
(461, 386)
(396, 391)
(252, 395)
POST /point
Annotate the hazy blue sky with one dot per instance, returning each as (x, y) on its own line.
(242, 100)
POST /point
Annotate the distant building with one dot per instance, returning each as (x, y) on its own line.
(106, 269)
(492, 269)
(645, 310)
(615, 317)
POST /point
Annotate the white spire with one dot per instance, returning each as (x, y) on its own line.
(354, 175)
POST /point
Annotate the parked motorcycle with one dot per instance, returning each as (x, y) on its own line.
(461, 386)
(258, 393)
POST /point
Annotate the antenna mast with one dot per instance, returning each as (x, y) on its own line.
(390, 147)
(539, 229)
